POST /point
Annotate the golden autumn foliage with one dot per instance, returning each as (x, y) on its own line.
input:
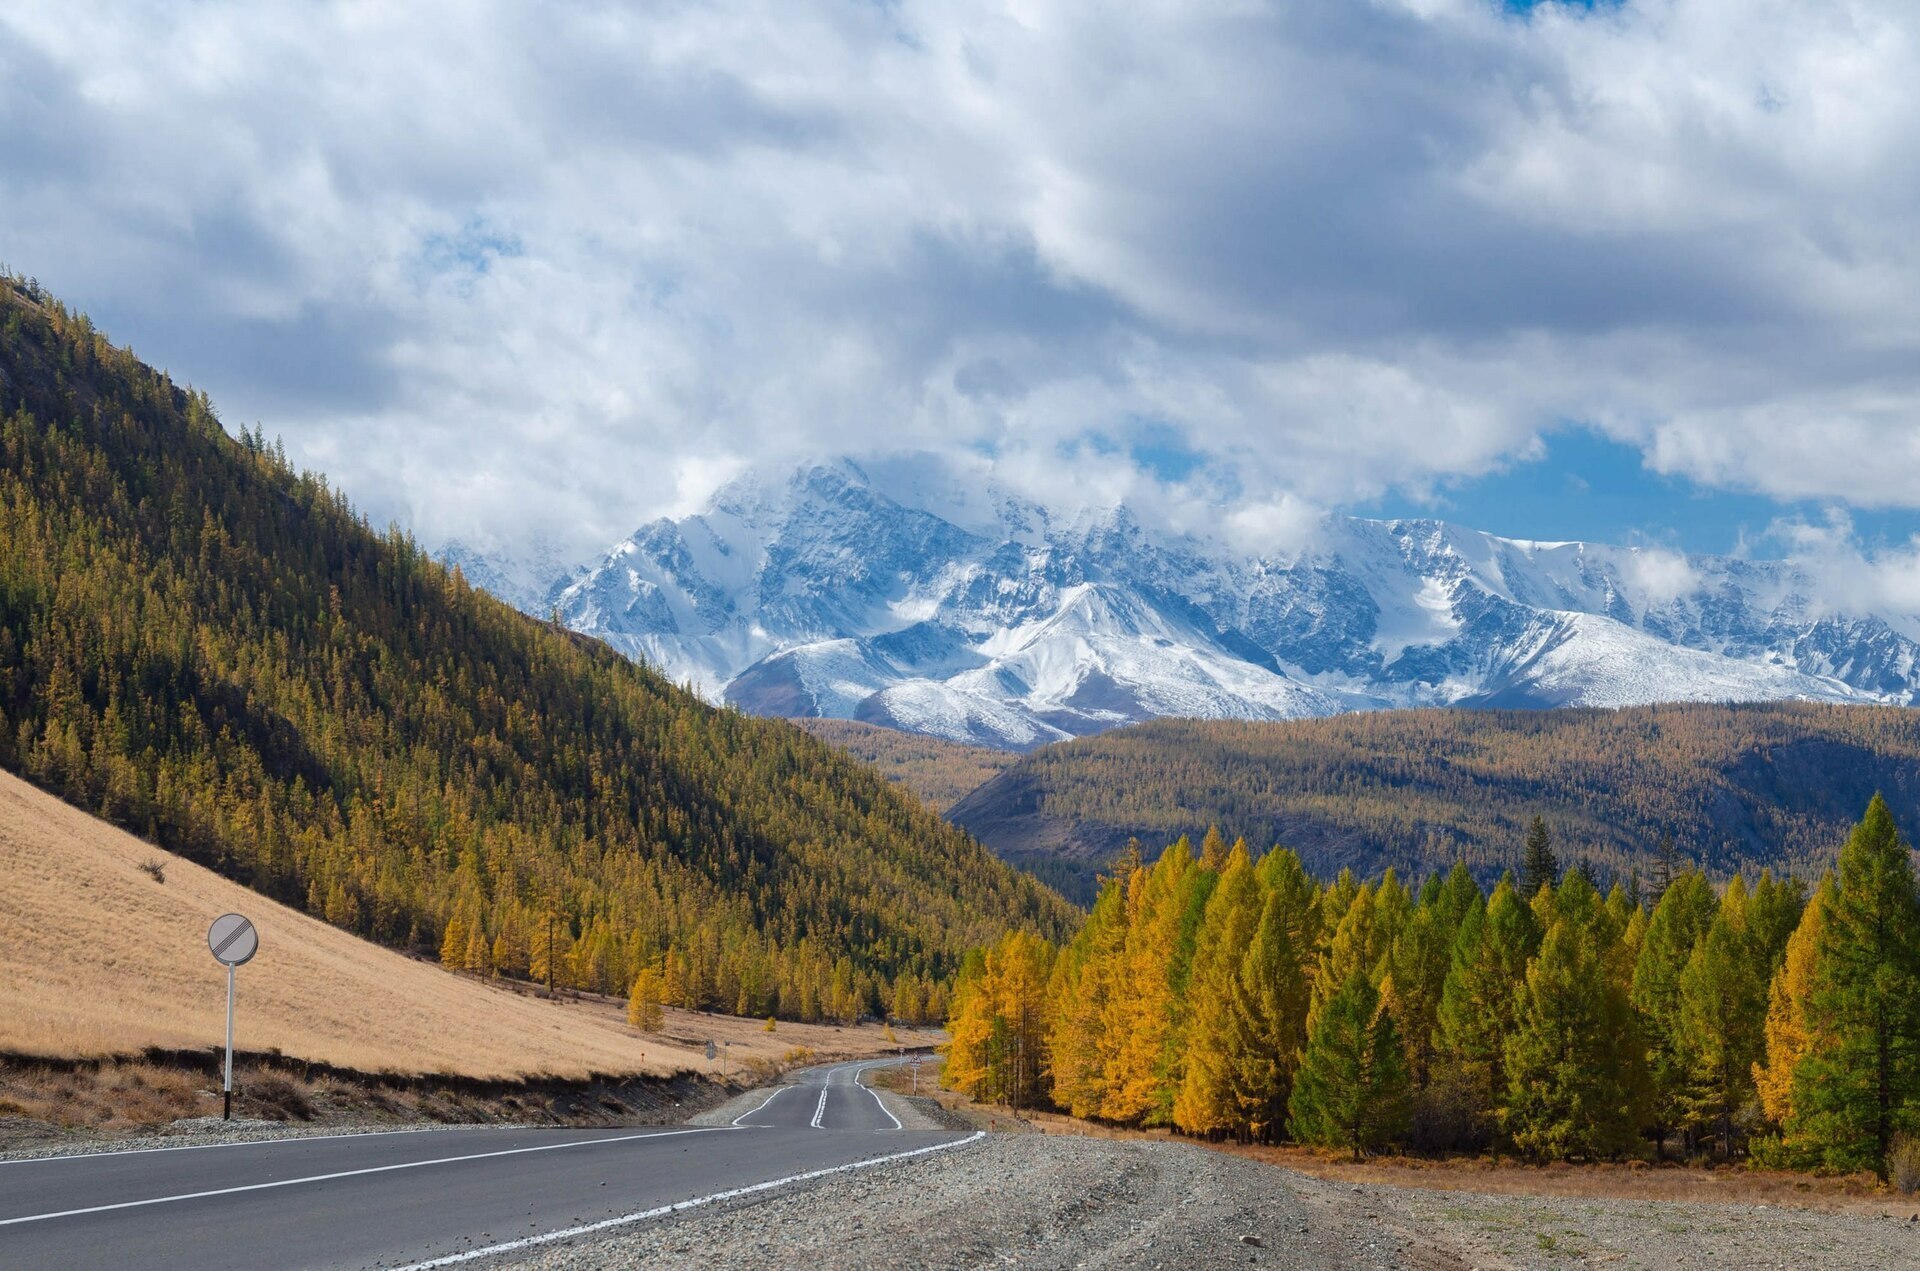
(213, 651)
(1252, 1001)
(1786, 1028)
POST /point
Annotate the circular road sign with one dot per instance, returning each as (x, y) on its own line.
(233, 939)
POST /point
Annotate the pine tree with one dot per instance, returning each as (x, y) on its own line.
(1722, 1018)
(1667, 866)
(1539, 867)
(1773, 911)
(1205, 1103)
(1479, 1005)
(1351, 1089)
(1569, 1078)
(1859, 1081)
(643, 1001)
(1269, 1018)
(1686, 909)
(1353, 946)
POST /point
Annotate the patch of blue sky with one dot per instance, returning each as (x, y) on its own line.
(1588, 487)
(472, 249)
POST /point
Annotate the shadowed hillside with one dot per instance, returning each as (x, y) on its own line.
(940, 772)
(214, 651)
(1734, 785)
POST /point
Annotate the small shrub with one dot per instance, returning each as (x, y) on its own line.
(772, 1024)
(277, 1099)
(1903, 1163)
(154, 868)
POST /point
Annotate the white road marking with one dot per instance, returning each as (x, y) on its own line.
(876, 1096)
(662, 1211)
(821, 1110)
(201, 1147)
(762, 1107)
(353, 1173)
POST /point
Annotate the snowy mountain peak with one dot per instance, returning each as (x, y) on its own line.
(915, 592)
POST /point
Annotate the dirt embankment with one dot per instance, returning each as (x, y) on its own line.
(116, 1104)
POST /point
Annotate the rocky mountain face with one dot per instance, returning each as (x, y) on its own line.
(900, 595)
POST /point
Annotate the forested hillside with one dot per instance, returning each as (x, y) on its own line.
(215, 651)
(941, 772)
(1733, 786)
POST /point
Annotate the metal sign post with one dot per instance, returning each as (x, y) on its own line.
(233, 941)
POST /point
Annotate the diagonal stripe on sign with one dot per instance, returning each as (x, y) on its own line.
(232, 936)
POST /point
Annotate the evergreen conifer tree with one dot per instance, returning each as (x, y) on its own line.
(1569, 1077)
(1351, 1089)
(1686, 909)
(1270, 1019)
(1479, 1003)
(1859, 1081)
(1722, 1018)
(1539, 867)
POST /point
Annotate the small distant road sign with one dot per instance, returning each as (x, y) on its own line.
(233, 941)
(712, 1054)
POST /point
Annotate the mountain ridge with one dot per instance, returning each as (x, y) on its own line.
(922, 596)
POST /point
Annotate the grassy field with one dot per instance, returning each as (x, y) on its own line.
(98, 958)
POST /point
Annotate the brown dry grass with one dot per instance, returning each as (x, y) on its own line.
(99, 959)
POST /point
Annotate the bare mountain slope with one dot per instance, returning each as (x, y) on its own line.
(97, 958)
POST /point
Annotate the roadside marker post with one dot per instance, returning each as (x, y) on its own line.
(233, 941)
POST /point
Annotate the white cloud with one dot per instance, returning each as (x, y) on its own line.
(502, 270)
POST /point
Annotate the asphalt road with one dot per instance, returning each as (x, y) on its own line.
(402, 1198)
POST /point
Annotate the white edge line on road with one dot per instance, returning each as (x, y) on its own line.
(662, 1211)
(353, 1173)
(876, 1097)
(111, 1153)
(762, 1105)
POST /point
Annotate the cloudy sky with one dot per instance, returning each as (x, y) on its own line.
(507, 270)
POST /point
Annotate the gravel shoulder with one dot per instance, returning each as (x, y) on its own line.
(1057, 1201)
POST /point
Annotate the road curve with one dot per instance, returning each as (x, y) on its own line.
(411, 1197)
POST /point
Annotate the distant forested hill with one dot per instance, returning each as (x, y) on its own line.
(941, 772)
(1733, 785)
(214, 651)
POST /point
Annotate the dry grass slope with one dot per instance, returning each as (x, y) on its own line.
(97, 959)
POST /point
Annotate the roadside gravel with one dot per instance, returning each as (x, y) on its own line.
(1058, 1201)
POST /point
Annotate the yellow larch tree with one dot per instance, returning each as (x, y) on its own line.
(1787, 999)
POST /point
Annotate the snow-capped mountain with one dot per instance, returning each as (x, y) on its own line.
(898, 594)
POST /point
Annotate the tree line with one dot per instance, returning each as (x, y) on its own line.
(214, 651)
(1229, 997)
(1742, 787)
